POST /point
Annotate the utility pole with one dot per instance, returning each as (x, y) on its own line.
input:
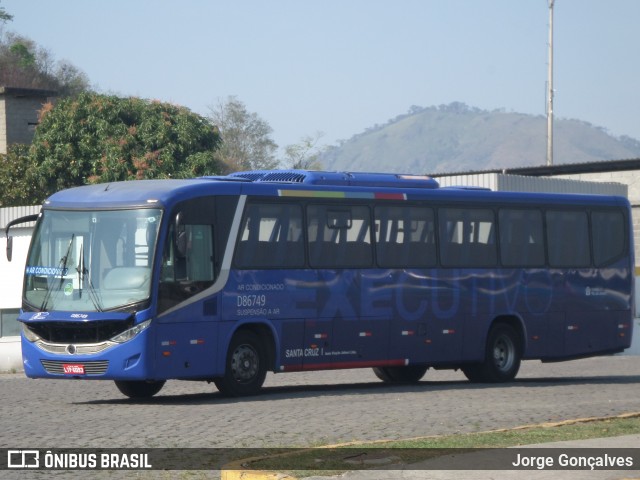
(550, 89)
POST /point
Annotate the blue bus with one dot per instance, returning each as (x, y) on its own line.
(223, 279)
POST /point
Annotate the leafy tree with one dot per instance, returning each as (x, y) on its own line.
(17, 179)
(4, 16)
(246, 142)
(25, 58)
(98, 138)
(26, 65)
(304, 155)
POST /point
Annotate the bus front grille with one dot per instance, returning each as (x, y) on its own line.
(83, 349)
(56, 367)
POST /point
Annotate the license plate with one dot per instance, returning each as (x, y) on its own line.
(73, 369)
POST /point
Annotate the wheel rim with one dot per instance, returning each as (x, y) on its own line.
(504, 353)
(245, 363)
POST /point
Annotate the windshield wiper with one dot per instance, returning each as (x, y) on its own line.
(81, 270)
(62, 265)
(82, 275)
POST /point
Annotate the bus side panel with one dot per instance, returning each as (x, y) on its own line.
(523, 297)
(284, 299)
(599, 310)
(187, 342)
(345, 316)
(360, 315)
(426, 326)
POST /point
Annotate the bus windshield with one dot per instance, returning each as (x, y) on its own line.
(91, 260)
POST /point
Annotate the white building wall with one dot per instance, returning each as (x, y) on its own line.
(3, 125)
(11, 274)
(519, 183)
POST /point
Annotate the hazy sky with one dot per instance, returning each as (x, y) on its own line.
(340, 66)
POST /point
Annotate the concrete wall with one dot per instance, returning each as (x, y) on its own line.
(19, 110)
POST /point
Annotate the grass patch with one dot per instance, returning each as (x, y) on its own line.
(341, 458)
(571, 430)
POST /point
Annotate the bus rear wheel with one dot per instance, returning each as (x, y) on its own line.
(139, 389)
(408, 374)
(502, 357)
(246, 366)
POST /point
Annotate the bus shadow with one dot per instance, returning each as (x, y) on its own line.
(271, 393)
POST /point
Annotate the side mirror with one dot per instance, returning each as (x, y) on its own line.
(9, 248)
(180, 235)
(17, 221)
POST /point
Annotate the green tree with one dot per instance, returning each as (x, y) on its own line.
(17, 178)
(98, 138)
(4, 16)
(246, 142)
(25, 58)
(24, 64)
(306, 154)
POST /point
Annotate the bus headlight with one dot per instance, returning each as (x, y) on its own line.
(28, 334)
(132, 332)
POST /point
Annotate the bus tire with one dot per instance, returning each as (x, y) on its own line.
(408, 374)
(502, 357)
(245, 368)
(139, 389)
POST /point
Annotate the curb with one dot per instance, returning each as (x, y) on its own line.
(236, 470)
(253, 475)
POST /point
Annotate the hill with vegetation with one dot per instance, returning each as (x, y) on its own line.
(458, 138)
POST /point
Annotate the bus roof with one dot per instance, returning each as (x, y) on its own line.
(298, 183)
(136, 193)
(339, 179)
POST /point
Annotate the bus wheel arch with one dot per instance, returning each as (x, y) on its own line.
(503, 352)
(249, 356)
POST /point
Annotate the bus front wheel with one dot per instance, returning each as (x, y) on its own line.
(139, 389)
(502, 357)
(246, 366)
(408, 374)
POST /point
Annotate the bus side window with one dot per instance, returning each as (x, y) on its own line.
(521, 238)
(339, 236)
(568, 238)
(271, 237)
(195, 263)
(188, 260)
(467, 237)
(405, 236)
